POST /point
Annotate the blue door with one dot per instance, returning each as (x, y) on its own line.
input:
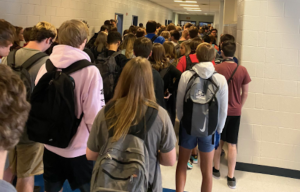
(169, 21)
(135, 20)
(120, 22)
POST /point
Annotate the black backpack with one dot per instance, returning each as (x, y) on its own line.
(109, 72)
(52, 119)
(22, 71)
(189, 64)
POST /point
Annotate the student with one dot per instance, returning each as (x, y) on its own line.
(60, 162)
(166, 35)
(133, 96)
(193, 32)
(219, 58)
(14, 108)
(127, 46)
(143, 48)
(26, 35)
(238, 86)
(185, 48)
(171, 27)
(175, 36)
(171, 52)
(7, 35)
(214, 33)
(140, 32)
(26, 159)
(100, 44)
(91, 43)
(113, 22)
(185, 36)
(205, 70)
(170, 75)
(18, 38)
(114, 40)
(141, 25)
(178, 28)
(125, 32)
(150, 29)
(189, 59)
(132, 29)
(187, 26)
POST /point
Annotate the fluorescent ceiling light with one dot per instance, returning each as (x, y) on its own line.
(191, 8)
(194, 10)
(186, 5)
(185, 1)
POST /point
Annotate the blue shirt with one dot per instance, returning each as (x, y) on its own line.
(159, 39)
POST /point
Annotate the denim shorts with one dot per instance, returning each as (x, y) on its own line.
(187, 141)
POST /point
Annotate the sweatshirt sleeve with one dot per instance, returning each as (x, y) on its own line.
(93, 101)
(223, 104)
(181, 93)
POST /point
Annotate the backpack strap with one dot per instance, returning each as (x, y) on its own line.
(230, 79)
(11, 58)
(154, 38)
(72, 68)
(33, 59)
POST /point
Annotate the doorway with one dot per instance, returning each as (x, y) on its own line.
(134, 20)
(119, 18)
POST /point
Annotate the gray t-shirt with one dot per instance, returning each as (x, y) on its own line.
(7, 187)
(161, 136)
(23, 55)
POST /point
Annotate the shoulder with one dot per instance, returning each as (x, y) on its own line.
(219, 79)
(162, 116)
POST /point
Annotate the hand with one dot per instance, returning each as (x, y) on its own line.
(167, 97)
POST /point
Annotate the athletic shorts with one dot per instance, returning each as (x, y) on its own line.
(57, 169)
(187, 141)
(231, 129)
(26, 160)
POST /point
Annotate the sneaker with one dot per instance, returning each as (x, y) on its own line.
(194, 159)
(189, 165)
(231, 182)
(216, 173)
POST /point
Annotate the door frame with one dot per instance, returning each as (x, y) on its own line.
(137, 22)
(116, 18)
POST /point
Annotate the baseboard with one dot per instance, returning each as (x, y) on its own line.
(268, 170)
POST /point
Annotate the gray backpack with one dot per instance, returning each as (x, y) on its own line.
(124, 164)
(200, 116)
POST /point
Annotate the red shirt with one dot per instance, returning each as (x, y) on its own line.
(181, 66)
(240, 78)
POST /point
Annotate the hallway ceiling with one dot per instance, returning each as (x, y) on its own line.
(207, 7)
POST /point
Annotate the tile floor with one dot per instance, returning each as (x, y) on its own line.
(246, 182)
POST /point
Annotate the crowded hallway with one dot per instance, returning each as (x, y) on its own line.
(149, 95)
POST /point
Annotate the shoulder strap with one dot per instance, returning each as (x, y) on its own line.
(71, 69)
(116, 53)
(154, 38)
(164, 72)
(229, 80)
(33, 59)
(11, 58)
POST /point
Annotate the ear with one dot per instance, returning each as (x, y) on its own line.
(48, 40)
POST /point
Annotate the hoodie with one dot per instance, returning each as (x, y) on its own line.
(205, 70)
(88, 96)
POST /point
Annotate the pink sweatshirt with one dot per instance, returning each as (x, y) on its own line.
(88, 95)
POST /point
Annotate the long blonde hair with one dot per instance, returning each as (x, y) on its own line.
(101, 41)
(133, 93)
(128, 45)
(158, 58)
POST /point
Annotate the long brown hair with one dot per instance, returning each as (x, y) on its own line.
(101, 41)
(158, 58)
(133, 93)
(17, 34)
(128, 45)
(170, 52)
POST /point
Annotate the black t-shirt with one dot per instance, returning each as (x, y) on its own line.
(158, 88)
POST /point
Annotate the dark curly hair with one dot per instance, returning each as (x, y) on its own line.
(14, 108)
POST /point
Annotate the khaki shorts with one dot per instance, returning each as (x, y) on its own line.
(27, 160)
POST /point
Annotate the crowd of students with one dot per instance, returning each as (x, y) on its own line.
(103, 111)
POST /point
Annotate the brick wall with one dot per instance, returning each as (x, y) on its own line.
(29, 12)
(269, 47)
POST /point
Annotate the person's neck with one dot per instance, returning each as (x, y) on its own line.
(2, 162)
(113, 47)
(34, 45)
(182, 39)
(228, 58)
(151, 33)
(175, 41)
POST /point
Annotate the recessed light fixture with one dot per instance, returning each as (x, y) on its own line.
(187, 5)
(185, 1)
